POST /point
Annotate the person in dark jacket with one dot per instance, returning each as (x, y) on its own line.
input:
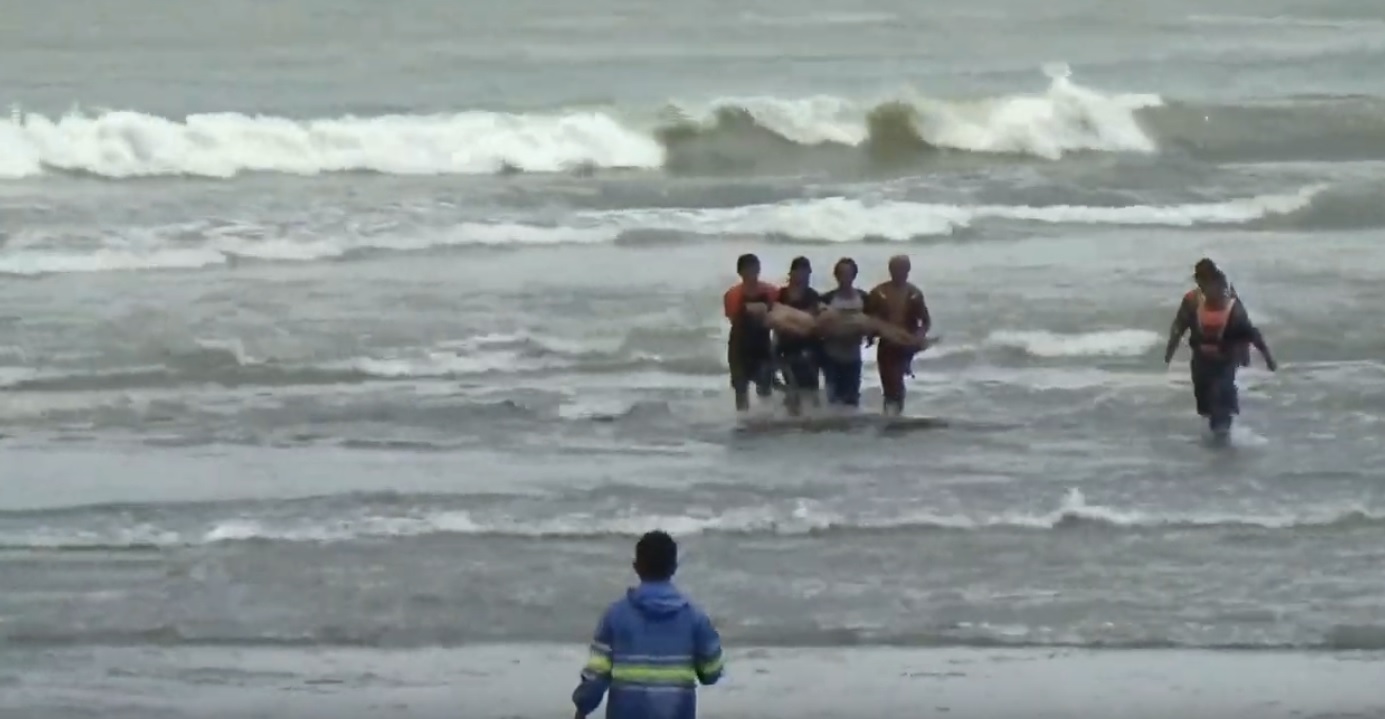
(1207, 271)
(1217, 326)
(652, 647)
(799, 357)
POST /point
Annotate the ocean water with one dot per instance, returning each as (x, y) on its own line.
(353, 325)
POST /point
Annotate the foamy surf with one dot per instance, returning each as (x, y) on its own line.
(843, 219)
(126, 143)
(1049, 345)
(829, 219)
(794, 518)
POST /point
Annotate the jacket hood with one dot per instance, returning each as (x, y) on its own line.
(656, 599)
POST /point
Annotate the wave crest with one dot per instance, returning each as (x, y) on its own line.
(730, 134)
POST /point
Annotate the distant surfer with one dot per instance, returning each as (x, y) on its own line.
(899, 303)
(841, 355)
(1217, 325)
(798, 355)
(749, 347)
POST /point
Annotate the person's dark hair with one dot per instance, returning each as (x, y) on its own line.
(1206, 269)
(800, 263)
(846, 262)
(746, 261)
(656, 556)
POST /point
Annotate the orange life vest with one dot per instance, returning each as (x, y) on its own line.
(1211, 324)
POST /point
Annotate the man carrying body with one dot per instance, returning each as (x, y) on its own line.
(841, 356)
(799, 356)
(1217, 325)
(749, 348)
(899, 303)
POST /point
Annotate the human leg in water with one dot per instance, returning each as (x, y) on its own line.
(1215, 393)
(1225, 398)
(749, 369)
(894, 365)
(801, 377)
(843, 380)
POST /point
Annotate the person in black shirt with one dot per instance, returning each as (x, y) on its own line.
(799, 357)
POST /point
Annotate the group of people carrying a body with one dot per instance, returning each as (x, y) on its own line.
(758, 356)
(652, 647)
(1219, 328)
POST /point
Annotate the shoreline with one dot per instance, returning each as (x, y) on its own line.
(533, 681)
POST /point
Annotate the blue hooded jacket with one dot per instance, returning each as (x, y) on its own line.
(651, 650)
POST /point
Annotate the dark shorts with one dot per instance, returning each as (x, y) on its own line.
(755, 368)
(800, 366)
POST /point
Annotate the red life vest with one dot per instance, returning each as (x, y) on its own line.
(1211, 324)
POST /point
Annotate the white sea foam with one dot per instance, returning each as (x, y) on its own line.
(126, 143)
(794, 518)
(830, 219)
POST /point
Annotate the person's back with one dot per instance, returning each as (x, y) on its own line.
(652, 647)
(1206, 271)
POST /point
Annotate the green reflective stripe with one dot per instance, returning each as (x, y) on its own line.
(711, 667)
(598, 664)
(645, 674)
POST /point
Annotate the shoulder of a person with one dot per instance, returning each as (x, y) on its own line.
(696, 611)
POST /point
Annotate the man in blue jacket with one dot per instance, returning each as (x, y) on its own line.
(652, 647)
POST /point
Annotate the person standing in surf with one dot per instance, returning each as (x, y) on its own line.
(899, 303)
(841, 356)
(749, 347)
(1203, 272)
(1217, 325)
(799, 356)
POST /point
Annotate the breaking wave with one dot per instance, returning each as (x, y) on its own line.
(723, 135)
(732, 135)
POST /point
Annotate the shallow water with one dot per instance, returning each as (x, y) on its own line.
(344, 328)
